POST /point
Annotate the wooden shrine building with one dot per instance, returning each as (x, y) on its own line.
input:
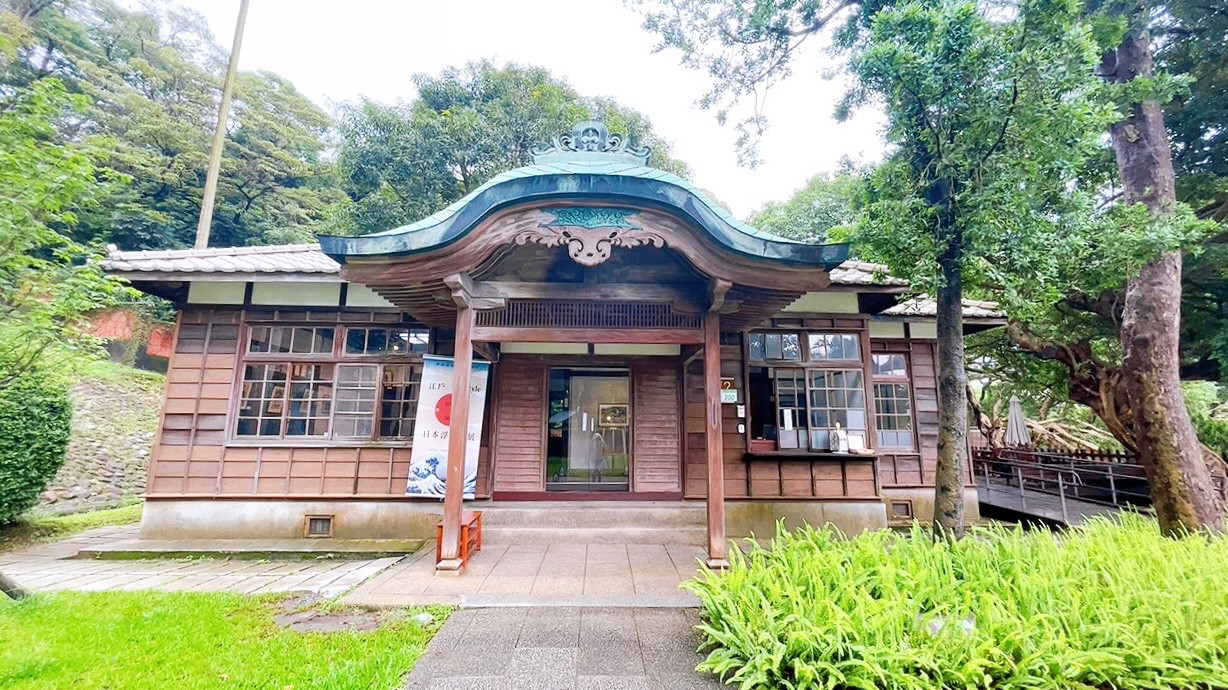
(644, 345)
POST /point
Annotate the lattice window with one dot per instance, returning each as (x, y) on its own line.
(399, 400)
(310, 401)
(344, 382)
(892, 402)
(386, 341)
(837, 396)
(563, 314)
(354, 410)
(296, 340)
(263, 405)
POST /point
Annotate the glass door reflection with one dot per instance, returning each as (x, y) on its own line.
(588, 430)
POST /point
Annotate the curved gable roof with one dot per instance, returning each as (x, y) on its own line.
(607, 173)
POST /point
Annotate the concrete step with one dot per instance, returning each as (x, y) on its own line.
(596, 514)
(687, 536)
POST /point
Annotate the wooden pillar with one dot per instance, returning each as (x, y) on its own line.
(458, 433)
(717, 556)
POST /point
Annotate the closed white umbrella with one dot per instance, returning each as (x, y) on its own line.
(1016, 425)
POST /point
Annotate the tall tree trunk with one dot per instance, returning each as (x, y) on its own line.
(11, 588)
(1182, 488)
(952, 394)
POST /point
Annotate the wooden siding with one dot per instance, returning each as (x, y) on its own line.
(519, 453)
(656, 458)
(188, 454)
(195, 457)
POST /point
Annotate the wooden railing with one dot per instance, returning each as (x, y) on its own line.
(1068, 477)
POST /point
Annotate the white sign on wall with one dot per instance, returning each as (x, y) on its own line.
(428, 458)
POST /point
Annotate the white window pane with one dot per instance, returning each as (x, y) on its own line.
(856, 419)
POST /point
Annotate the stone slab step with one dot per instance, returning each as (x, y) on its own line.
(288, 549)
(592, 515)
(685, 536)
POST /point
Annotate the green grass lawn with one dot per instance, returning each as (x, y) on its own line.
(36, 529)
(184, 641)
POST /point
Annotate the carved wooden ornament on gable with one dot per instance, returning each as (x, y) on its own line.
(590, 233)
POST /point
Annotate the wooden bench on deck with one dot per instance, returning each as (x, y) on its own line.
(470, 537)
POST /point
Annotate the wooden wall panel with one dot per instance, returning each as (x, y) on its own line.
(518, 452)
(187, 457)
(192, 456)
(656, 457)
(769, 478)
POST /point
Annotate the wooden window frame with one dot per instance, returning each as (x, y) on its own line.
(861, 363)
(336, 357)
(896, 379)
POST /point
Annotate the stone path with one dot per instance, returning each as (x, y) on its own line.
(620, 575)
(563, 649)
(50, 567)
(559, 616)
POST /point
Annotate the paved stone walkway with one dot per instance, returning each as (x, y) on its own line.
(623, 575)
(50, 567)
(563, 649)
(549, 624)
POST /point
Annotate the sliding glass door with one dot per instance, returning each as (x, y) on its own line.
(588, 430)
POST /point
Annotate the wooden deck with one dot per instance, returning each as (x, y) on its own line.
(1045, 487)
(1030, 503)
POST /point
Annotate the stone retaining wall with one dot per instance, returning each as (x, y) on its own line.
(113, 426)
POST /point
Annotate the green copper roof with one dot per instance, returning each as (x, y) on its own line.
(591, 165)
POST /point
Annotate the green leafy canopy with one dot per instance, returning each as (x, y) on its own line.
(402, 162)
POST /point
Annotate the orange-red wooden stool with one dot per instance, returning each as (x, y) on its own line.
(471, 536)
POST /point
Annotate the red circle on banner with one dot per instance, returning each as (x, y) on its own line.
(443, 410)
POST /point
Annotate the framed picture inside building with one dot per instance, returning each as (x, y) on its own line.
(612, 414)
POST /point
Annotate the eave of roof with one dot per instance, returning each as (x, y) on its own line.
(306, 263)
(609, 179)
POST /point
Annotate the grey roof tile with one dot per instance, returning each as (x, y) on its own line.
(926, 306)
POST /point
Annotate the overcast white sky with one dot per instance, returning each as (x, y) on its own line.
(338, 51)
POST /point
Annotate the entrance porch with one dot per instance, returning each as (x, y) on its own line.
(561, 553)
(591, 248)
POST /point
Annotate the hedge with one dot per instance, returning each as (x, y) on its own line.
(35, 426)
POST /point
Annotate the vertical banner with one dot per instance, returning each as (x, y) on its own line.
(428, 458)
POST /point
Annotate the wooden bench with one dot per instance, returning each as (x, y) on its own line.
(470, 536)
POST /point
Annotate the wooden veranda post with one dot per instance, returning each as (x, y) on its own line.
(458, 432)
(717, 556)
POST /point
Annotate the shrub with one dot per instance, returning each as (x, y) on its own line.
(1109, 605)
(35, 417)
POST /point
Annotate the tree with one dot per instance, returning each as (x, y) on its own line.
(48, 282)
(1183, 492)
(402, 162)
(824, 203)
(989, 119)
(1082, 333)
(1188, 38)
(151, 77)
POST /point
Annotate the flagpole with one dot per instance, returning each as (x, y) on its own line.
(219, 135)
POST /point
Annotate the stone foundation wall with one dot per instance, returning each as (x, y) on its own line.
(284, 519)
(922, 500)
(758, 518)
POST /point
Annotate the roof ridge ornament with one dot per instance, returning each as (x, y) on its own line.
(587, 137)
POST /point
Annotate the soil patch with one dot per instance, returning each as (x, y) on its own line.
(301, 615)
